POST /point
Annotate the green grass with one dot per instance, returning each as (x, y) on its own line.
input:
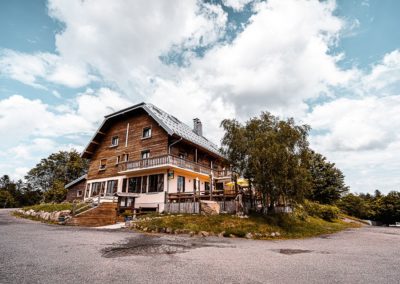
(287, 225)
(51, 207)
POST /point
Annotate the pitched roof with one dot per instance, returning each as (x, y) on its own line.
(169, 123)
(75, 181)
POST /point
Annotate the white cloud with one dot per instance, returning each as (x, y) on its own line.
(31, 69)
(279, 62)
(236, 5)
(359, 133)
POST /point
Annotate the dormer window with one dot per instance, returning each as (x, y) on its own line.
(146, 132)
(114, 141)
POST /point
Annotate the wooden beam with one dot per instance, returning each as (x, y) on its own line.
(94, 142)
(88, 152)
(102, 133)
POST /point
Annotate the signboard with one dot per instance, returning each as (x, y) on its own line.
(171, 175)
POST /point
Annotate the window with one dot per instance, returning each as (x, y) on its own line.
(95, 188)
(79, 193)
(181, 184)
(144, 184)
(135, 184)
(124, 182)
(207, 186)
(146, 154)
(114, 141)
(156, 183)
(122, 158)
(111, 187)
(102, 188)
(196, 184)
(103, 163)
(146, 132)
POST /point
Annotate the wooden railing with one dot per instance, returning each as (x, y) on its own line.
(162, 161)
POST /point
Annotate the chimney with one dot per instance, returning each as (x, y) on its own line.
(197, 127)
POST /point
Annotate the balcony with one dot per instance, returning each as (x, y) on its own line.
(164, 161)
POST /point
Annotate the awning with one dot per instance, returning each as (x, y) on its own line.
(241, 181)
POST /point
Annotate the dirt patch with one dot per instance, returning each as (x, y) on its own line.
(292, 251)
(154, 245)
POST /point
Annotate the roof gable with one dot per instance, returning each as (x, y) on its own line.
(169, 123)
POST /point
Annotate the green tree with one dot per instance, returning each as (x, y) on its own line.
(388, 208)
(57, 193)
(272, 153)
(357, 206)
(57, 169)
(327, 180)
(6, 199)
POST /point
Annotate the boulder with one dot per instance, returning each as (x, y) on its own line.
(46, 216)
(65, 212)
(208, 207)
(204, 233)
(249, 236)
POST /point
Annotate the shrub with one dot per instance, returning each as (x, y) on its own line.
(326, 212)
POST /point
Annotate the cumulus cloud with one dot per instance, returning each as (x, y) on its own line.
(31, 69)
(279, 61)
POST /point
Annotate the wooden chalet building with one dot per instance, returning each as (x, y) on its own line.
(149, 158)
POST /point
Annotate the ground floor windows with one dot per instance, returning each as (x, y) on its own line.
(137, 184)
(156, 183)
(181, 184)
(102, 188)
(207, 186)
(144, 184)
(98, 188)
(112, 186)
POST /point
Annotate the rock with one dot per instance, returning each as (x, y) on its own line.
(258, 235)
(145, 229)
(208, 207)
(249, 236)
(169, 230)
(192, 233)
(204, 233)
(277, 234)
(232, 236)
(65, 212)
(221, 235)
(272, 234)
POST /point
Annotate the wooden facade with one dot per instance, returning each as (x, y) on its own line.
(133, 146)
(76, 191)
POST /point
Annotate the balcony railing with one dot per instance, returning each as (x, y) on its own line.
(164, 161)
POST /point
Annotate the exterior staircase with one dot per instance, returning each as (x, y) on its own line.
(102, 215)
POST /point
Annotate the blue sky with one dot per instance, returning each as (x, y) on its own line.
(333, 65)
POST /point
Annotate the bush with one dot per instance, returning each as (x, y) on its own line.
(326, 212)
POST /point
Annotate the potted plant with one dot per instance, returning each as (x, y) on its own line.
(127, 214)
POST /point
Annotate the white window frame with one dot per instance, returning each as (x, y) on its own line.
(146, 128)
(112, 141)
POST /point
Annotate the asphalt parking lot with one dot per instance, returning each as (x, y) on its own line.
(33, 252)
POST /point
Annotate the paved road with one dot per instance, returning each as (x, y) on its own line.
(32, 252)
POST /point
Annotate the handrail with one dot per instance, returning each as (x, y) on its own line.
(165, 160)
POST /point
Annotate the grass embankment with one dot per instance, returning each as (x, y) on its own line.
(260, 227)
(52, 207)
(307, 220)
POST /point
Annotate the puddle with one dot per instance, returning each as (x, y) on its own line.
(292, 251)
(153, 245)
